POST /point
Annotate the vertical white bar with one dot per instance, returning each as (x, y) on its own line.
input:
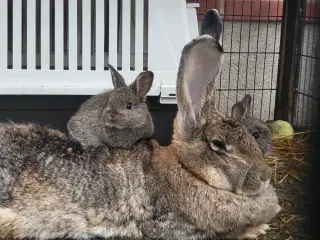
(100, 35)
(126, 19)
(17, 34)
(4, 38)
(58, 49)
(72, 31)
(45, 34)
(31, 34)
(139, 35)
(86, 35)
(113, 32)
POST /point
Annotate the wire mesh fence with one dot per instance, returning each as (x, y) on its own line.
(251, 40)
(306, 83)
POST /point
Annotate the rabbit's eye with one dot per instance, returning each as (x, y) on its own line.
(218, 145)
(256, 135)
(129, 105)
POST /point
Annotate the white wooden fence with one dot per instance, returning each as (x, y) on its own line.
(63, 46)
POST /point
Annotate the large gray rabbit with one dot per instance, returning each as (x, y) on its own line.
(118, 117)
(212, 181)
(241, 112)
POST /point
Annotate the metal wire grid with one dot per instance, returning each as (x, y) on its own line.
(306, 96)
(251, 41)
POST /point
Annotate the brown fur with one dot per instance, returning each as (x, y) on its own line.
(211, 182)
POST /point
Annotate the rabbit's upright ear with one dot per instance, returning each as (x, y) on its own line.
(142, 85)
(200, 63)
(240, 110)
(247, 101)
(117, 79)
(211, 24)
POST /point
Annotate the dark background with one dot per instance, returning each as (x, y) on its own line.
(56, 111)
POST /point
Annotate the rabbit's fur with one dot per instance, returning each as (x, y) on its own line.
(212, 180)
(116, 118)
(241, 112)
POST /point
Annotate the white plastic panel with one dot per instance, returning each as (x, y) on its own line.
(4, 38)
(31, 34)
(113, 30)
(100, 35)
(72, 38)
(86, 34)
(139, 35)
(59, 51)
(17, 34)
(45, 34)
(126, 18)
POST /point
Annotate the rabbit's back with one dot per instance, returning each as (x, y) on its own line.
(71, 188)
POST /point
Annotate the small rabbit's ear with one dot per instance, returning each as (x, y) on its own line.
(200, 64)
(238, 111)
(211, 24)
(142, 85)
(117, 79)
(247, 101)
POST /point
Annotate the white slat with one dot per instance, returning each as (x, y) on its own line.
(139, 35)
(126, 18)
(59, 54)
(113, 30)
(31, 34)
(45, 34)
(73, 43)
(86, 35)
(17, 34)
(100, 35)
(4, 38)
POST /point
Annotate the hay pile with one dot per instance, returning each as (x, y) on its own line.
(291, 178)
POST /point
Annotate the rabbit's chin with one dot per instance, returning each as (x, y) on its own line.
(114, 125)
(264, 185)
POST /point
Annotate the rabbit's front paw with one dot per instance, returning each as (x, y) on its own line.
(254, 232)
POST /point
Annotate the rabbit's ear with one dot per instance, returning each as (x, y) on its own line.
(142, 85)
(239, 111)
(200, 63)
(247, 101)
(117, 79)
(211, 24)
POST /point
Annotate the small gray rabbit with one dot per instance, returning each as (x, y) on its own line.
(118, 117)
(211, 182)
(241, 112)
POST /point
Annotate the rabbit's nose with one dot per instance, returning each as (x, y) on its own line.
(265, 174)
(112, 114)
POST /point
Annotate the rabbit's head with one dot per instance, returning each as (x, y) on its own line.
(126, 107)
(118, 117)
(214, 148)
(241, 112)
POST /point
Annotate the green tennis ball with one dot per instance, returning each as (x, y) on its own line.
(281, 128)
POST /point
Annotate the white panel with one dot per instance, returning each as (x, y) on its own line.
(4, 38)
(31, 34)
(167, 34)
(139, 35)
(59, 54)
(67, 82)
(45, 34)
(17, 34)
(86, 34)
(126, 17)
(100, 35)
(193, 22)
(73, 43)
(113, 30)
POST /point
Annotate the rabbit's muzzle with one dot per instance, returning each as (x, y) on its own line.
(256, 180)
(112, 114)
